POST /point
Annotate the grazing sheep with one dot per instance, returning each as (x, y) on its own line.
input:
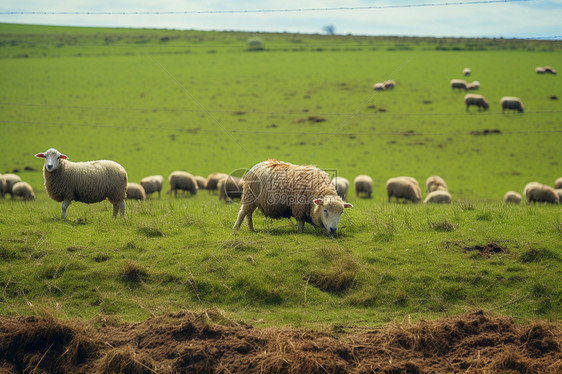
(11, 179)
(539, 70)
(473, 86)
(182, 180)
(152, 184)
(466, 72)
(135, 191)
(87, 182)
(389, 84)
(378, 86)
(458, 83)
(511, 103)
(201, 182)
(435, 183)
(512, 197)
(558, 183)
(537, 193)
(23, 190)
(283, 190)
(342, 186)
(213, 181)
(3, 186)
(363, 185)
(559, 193)
(230, 188)
(438, 197)
(476, 100)
(550, 70)
(403, 188)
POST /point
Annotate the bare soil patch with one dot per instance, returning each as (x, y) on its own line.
(487, 249)
(207, 342)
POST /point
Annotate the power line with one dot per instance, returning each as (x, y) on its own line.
(285, 10)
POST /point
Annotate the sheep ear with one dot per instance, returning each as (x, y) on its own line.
(64, 157)
(347, 205)
(40, 155)
(319, 202)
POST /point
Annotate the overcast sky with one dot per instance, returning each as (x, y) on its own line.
(520, 19)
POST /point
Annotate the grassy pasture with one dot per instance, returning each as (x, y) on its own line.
(201, 102)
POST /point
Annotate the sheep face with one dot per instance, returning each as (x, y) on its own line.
(52, 159)
(330, 210)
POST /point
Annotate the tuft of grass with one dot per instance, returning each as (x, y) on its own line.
(443, 225)
(133, 272)
(338, 278)
(150, 231)
(537, 255)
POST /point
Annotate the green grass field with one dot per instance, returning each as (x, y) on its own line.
(162, 100)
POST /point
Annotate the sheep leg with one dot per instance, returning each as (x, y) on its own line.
(65, 205)
(120, 206)
(245, 210)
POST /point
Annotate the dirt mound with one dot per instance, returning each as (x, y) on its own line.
(486, 250)
(208, 342)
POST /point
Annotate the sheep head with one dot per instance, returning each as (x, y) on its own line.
(52, 159)
(328, 211)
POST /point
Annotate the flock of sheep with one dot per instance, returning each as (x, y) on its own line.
(13, 185)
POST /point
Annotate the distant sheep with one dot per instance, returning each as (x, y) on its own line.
(378, 86)
(342, 186)
(389, 84)
(558, 183)
(403, 188)
(550, 70)
(363, 186)
(435, 183)
(135, 191)
(23, 190)
(458, 84)
(283, 190)
(230, 188)
(511, 103)
(539, 70)
(87, 182)
(11, 179)
(466, 72)
(201, 182)
(438, 197)
(152, 184)
(540, 193)
(559, 193)
(213, 181)
(473, 86)
(512, 197)
(182, 180)
(476, 100)
(3, 186)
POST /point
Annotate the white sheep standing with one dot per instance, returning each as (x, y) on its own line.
(23, 190)
(389, 84)
(476, 100)
(284, 190)
(87, 182)
(458, 83)
(558, 183)
(403, 188)
(11, 179)
(342, 186)
(511, 103)
(363, 185)
(512, 197)
(182, 180)
(435, 183)
(539, 70)
(438, 197)
(135, 191)
(230, 188)
(378, 86)
(213, 181)
(152, 184)
(550, 70)
(201, 182)
(536, 192)
(466, 72)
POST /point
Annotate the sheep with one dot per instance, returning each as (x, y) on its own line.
(229, 188)
(88, 182)
(512, 197)
(281, 189)
(559, 193)
(152, 184)
(466, 72)
(201, 182)
(3, 186)
(23, 190)
(438, 197)
(458, 83)
(213, 181)
(473, 86)
(558, 183)
(536, 193)
(389, 84)
(135, 191)
(476, 100)
(182, 180)
(512, 103)
(403, 188)
(435, 183)
(363, 185)
(539, 70)
(549, 70)
(378, 86)
(11, 179)
(342, 186)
